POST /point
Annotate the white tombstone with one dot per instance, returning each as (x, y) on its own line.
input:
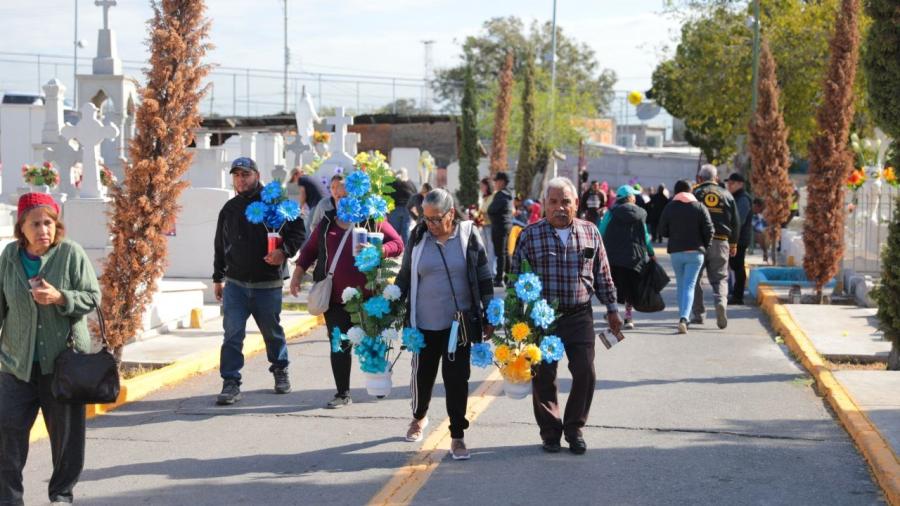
(90, 132)
(453, 177)
(58, 150)
(294, 149)
(248, 144)
(269, 151)
(20, 130)
(209, 168)
(191, 248)
(337, 146)
(203, 140)
(232, 147)
(408, 158)
(351, 144)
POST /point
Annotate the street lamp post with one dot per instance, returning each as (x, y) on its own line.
(553, 76)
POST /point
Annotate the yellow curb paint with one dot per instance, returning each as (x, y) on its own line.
(409, 479)
(139, 387)
(878, 453)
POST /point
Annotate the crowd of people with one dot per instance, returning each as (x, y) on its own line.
(584, 243)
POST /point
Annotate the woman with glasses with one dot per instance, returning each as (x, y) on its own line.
(447, 262)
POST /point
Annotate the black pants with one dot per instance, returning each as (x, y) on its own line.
(736, 263)
(498, 237)
(19, 403)
(577, 334)
(342, 361)
(454, 372)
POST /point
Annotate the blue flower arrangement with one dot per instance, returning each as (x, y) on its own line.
(289, 210)
(413, 340)
(377, 306)
(350, 210)
(368, 259)
(375, 207)
(528, 287)
(495, 311)
(256, 212)
(482, 356)
(552, 349)
(274, 210)
(372, 354)
(358, 184)
(542, 314)
(271, 193)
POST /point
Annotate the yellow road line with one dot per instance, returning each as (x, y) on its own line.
(409, 479)
(141, 386)
(882, 460)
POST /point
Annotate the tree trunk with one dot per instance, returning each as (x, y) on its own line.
(894, 357)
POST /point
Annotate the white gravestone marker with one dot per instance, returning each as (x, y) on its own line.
(90, 132)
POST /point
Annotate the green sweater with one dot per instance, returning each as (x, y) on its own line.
(29, 328)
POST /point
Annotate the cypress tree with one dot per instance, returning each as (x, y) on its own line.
(499, 153)
(525, 167)
(769, 149)
(881, 60)
(145, 205)
(831, 160)
(469, 152)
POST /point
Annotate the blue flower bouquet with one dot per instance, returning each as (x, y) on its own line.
(273, 211)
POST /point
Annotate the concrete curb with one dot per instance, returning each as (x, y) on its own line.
(878, 453)
(137, 388)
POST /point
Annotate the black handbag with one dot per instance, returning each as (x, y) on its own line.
(86, 378)
(470, 325)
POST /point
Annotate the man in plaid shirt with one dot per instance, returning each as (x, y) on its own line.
(567, 253)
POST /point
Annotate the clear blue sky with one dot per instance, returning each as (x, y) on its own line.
(338, 36)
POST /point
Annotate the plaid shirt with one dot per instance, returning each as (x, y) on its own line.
(571, 273)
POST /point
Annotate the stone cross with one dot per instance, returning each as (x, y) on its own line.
(337, 146)
(90, 132)
(64, 156)
(106, 4)
(296, 147)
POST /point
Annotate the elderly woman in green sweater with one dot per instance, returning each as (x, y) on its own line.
(47, 286)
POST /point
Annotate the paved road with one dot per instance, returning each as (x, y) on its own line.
(714, 417)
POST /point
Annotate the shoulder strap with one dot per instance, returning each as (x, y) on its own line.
(70, 341)
(440, 248)
(337, 254)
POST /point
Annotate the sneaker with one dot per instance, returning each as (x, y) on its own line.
(458, 449)
(682, 326)
(231, 393)
(697, 319)
(416, 430)
(721, 316)
(339, 402)
(629, 324)
(282, 382)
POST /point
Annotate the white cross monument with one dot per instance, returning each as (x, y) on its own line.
(90, 132)
(337, 146)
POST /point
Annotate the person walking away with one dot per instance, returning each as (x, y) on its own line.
(47, 286)
(759, 228)
(487, 196)
(657, 203)
(744, 204)
(248, 281)
(400, 218)
(331, 239)
(501, 214)
(309, 197)
(724, 215)
(687, 224)
(628, 247)
(447, 259)
(567, 253)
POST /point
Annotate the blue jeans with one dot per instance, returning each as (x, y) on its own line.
(264, 304)
(399, 219)
(687, 265)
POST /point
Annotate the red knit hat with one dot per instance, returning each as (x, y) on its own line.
(29, 201)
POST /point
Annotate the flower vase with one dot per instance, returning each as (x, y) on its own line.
(375, 239)
(40, 188)
(515, 390)
(379, 384)
(360, 237)
(275, 241)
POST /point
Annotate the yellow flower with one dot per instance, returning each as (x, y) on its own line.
(502, 353)
(889, 175)
(362, 158)
(520, 369)
(520, 331)
(532, 353)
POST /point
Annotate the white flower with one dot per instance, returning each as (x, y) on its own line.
(391, 292)
(356, 335)
(349, 294)
(390, 335)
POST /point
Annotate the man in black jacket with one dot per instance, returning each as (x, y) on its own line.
(744, 203)
(248, 281)
(727, 225)
(501, 213)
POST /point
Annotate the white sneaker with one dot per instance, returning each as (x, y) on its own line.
(416, 430)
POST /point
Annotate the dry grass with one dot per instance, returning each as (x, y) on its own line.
(856, 366)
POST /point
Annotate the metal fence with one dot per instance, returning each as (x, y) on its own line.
(867, 226)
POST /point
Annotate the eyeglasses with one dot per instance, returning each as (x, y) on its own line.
(434, 220)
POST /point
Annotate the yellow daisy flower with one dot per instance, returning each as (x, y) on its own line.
(502, 353)
(520, 331)
(532, 353)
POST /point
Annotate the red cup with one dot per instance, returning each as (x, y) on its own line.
(275, 241)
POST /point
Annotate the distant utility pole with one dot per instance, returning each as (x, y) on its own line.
(287, 57)
(553, 76)
(429, 65)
